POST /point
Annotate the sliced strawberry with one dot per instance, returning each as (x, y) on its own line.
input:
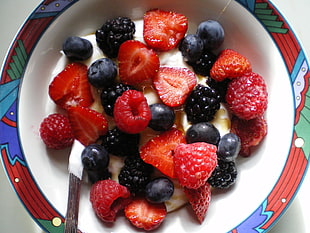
(199, 199)
(159, 150)
(71, 88)
(163, 30)
(144, 214)
(137, 63)
(230, 64)
(87, 124)
(174, 84)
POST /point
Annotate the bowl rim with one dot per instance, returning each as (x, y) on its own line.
(262, 219)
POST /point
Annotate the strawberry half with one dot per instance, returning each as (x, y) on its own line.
(159, 150)
(71, 88)
(199, 199)
(174, 84)
(137, 63)
(144, 214)
(230, 64)
(163, 30)
(87, 124)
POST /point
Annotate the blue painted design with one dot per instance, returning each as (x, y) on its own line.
(249, 4)
(10, 140)
(8, 94)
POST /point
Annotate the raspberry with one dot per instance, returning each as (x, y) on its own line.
(250, 132)
(247, 96)
(194, 163)
(107, 198)
(56, 131)
(131, 112)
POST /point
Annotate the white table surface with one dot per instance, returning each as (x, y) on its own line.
(13, 216)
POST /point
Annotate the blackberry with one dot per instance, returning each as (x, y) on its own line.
(113, 33)
(202, 104)
(204, 64)
(119, 143)
(110, 94)
(224, 175)
(220, 87)
(135, 174)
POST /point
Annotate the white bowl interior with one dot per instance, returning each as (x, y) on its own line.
(257, 174)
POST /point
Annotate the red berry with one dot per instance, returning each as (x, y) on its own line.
(131, 112)
(87, 124)
(144, 214)
(199, 199)
(71, 88)
(163, 30)
(230, 64)
(247, 96)
(174, 84)
(194, 163)
(56, 131)
(137, 63)
(251, 132)
(107, 198)
(159, 150)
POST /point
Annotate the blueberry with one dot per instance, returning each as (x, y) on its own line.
(159, 190)
(95, 157)
(77, 48)
(191, 47)
(102, 73)
(203, 132)
(228, 147)
(212, 33)
(162, 117)
(94, 176)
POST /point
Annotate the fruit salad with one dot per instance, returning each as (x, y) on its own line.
(163, 114)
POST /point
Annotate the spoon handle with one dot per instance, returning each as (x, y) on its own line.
(73, 204)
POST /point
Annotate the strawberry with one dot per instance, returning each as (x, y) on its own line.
(194, 163)
(71, 88)
(199, 199)
(174, 84)
(159, 150)
(107, 198)
(144, 214)
(137, 63)
(163, 30)
(87, 124)
(230, 64)
(251, 132)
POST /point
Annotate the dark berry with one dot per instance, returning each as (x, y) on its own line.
(94, 176)
(224, 175)
(203, 132)
(204, 63)
(120, 143)
(102, 73)
(191, 48)
(113, 33)
(95, 157)
(77, 48)
(159, 190)
(163, 117)
(135, 174)
(212, 34)
(110, 94)
(228, 147)
(202, 104)
(220, 87)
